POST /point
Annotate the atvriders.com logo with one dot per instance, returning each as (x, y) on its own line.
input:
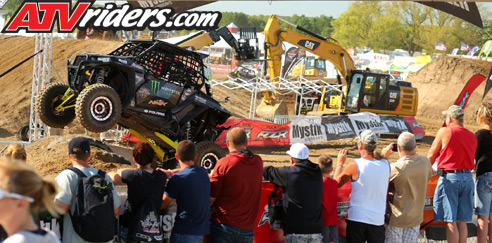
(41, 17)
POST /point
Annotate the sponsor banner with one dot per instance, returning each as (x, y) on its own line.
(470, 86)
(315, 130)
(307, 130)
(337, 127)
(311, 130)
(467, 11)
(259, 133)
(366, 120)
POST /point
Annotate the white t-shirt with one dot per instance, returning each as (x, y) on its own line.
(67, 182)
(40, 236)
(368, 192)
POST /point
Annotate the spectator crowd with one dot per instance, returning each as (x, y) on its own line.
(387, 199)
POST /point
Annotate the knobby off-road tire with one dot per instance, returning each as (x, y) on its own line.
(98, 108)
(208, 154)
(23, 133)
(48, 100)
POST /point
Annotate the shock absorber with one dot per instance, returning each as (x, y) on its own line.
(188, 130)
(100, 77)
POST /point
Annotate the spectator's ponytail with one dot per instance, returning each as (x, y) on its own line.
(20, 178)
(50, 190)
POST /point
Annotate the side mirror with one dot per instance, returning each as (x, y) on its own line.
(227, 99)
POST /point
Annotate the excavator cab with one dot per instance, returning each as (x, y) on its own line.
(315, 67)
(372, 92)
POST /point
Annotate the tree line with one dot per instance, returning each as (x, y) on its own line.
(384, 26)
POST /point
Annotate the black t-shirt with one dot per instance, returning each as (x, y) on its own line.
(483, 156)
(142, 184)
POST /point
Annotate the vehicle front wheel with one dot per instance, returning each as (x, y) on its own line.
(208, 154)
(98, 108)
(47, 102)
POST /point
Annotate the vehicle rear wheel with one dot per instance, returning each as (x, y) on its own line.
(208, 154)
(46, 103)
(23, 133)
(98, 108)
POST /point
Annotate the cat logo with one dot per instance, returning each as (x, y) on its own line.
(158, 102)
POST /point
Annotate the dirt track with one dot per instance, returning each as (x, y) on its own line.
(439, 83)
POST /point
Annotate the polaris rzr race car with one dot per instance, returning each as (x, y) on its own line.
(157, 90)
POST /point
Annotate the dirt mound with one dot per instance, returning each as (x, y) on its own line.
(49, 156)
(16, 86)
(440, 82)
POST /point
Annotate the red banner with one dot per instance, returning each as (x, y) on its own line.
(260, 133)
(465, 94)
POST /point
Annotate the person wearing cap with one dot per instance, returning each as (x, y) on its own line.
(454, 149)
(235, 191)
(79, 152)
(369, 177)
(302, 185)
(409, 175)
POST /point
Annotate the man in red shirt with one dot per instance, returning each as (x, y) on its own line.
(236, 191)
(454, 147)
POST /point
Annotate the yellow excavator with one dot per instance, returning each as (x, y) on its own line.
(313, 68)
(364, 90)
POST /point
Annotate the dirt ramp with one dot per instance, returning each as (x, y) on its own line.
(440, 82)
(49, 156)
(15, 89)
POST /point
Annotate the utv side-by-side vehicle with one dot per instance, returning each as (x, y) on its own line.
(157, 90)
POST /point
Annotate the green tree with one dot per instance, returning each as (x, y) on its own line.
(353, 26)
(11, 6)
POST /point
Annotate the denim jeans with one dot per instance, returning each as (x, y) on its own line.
(483, 195)
(453, 198)
(180, 238)
(224, 233)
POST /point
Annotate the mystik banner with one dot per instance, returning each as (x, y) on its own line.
(310, 131)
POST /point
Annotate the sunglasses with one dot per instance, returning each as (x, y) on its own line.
(4, 193)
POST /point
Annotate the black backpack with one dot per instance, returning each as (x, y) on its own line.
(146, 224)
(93, 215)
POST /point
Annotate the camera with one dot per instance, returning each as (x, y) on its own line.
(394, 147)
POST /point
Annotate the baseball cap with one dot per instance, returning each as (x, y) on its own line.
(79, 145)
(454, 112)
(368, 137)
(298, 151)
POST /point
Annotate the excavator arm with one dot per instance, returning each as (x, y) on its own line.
(242, 48)
(321, 46)
(312, 42)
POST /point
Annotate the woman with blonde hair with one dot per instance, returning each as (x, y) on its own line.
(22, 193)
(483, 167)
(15, 152)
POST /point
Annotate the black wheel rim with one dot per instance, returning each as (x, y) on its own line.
(209, 160)
(101, 108)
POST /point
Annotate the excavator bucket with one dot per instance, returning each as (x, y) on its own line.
(265, 110)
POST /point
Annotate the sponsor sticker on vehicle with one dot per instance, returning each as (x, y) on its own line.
(157, 102)
(144, 93)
